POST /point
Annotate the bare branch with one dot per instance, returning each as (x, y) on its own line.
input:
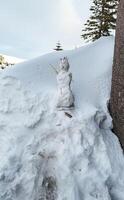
(55, 70)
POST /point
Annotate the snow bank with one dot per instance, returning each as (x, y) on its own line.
(45, 154)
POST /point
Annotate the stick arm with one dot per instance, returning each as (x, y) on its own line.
(54, 68)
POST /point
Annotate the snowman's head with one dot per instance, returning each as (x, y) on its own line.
(64, 64)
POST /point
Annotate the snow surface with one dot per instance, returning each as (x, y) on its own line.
(45, 154)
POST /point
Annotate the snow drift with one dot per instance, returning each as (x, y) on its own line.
(46, 155)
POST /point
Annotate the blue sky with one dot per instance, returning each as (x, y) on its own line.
(30, 28)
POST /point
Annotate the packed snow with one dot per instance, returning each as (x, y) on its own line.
(51, 154)
(64, 79)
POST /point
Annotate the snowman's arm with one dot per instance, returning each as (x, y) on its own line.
(54, 69)
(70, 76)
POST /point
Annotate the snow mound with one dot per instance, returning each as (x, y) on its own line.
(48, 154)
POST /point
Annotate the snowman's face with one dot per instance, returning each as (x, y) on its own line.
(64, 65)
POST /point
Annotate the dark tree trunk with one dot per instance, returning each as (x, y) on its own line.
(117, 92)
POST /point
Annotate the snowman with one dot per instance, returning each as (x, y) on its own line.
(64, 78)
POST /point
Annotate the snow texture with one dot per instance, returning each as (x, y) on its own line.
(44, 153)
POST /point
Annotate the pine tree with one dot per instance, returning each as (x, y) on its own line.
(58, 47)
(2, 60)
(102, 20)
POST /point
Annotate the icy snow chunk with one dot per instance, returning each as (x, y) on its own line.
(103, 120)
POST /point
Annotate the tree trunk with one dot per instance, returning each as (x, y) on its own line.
(117, 92)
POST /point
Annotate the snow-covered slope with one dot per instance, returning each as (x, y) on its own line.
(46, 155)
